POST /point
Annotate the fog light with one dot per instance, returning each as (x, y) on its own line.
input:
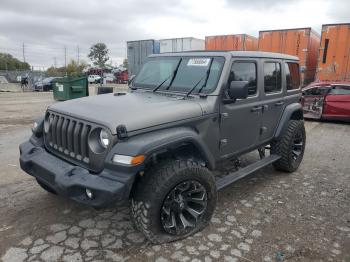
(89, 193)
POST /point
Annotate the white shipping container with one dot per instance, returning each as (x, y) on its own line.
(181, 44)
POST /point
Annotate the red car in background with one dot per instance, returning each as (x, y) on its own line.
(122, 77)
(327, 100)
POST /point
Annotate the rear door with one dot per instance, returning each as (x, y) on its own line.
(312, 101)
(272, 97)
(337, 102)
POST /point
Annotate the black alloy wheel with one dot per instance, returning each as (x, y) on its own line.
(297, 146)
(183, 207)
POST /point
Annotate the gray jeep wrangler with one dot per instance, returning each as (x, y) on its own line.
(159, 144)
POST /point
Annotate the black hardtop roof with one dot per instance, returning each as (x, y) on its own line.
(255, 54)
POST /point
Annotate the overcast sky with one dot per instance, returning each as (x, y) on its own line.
(47, 26)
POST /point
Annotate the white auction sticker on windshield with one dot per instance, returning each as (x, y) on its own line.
(198, 62)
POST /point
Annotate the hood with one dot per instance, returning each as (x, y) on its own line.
(135, 110)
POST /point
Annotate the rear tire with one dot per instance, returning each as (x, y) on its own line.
(290, 146)
(169, 190)
(46, 188)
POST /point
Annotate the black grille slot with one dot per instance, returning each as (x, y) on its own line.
(68, 136)
(59, 134)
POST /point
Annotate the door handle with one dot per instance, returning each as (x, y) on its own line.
(256, 109)
(280, 103)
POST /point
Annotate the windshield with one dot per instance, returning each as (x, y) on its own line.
(180, 74)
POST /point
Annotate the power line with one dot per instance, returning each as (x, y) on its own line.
(39, 54)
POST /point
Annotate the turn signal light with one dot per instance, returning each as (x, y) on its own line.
(128, 160)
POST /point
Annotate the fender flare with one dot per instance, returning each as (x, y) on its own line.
(152, 142)
(292, 111)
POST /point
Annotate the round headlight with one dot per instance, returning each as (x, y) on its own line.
(104, 138)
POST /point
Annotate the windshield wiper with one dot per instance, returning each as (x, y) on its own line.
(172, 76)
(158, 86)
(205, 81)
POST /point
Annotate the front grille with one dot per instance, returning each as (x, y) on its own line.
(68, 137)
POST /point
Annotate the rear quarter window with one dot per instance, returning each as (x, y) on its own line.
(292, 76)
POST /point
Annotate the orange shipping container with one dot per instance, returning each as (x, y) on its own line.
(334, 59)
(240, 42)
(301, 42)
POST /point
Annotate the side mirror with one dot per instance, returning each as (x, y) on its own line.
(131, 78)
(238, 90)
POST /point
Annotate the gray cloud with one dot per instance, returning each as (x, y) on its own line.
(47, 26)
(339, 11)
(260, 4)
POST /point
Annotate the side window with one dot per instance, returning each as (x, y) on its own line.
(272, 77)
(317, 91)
(245, 71)
(340, 90)
(292, 76)
(309, 92)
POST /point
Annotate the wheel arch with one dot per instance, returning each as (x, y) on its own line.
(158, 142)
(291, 112)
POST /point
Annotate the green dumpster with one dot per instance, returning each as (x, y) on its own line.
(70, 87)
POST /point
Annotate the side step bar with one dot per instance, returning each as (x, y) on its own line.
(245, 171)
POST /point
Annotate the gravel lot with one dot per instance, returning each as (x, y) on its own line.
(271, 216)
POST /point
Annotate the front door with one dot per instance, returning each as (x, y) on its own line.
(241, 121)
(312, 101)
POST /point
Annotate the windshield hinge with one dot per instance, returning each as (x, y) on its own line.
(223, 116)
(223, 142)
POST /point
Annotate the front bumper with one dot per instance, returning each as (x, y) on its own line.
(109, 187)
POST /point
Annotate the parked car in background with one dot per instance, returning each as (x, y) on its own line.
(122, 77)
(327, 100)
(94, 79)
(109, 78)
(45, 84)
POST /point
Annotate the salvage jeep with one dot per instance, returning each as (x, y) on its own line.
(158, 145)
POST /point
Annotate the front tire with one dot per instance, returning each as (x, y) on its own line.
(173, 201)
(290, 146)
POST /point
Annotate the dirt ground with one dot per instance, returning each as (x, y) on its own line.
(270, 216)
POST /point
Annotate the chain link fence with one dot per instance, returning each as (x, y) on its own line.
(12, 80)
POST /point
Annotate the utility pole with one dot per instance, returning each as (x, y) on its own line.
(54, 62)
(24, 57)
(78, 54)
(65, 56)
(65, 59)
